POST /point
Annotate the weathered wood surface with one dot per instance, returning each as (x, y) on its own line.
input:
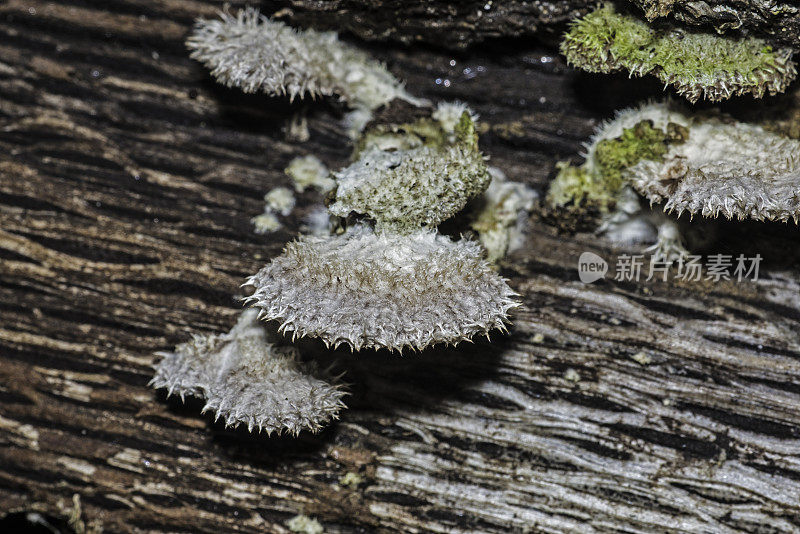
(127, 181)
(444, 24)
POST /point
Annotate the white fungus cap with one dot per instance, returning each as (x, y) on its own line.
(248, 379)
(368, 289)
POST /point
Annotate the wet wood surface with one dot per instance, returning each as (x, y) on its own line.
(128, 179)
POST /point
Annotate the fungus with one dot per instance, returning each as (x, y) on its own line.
(248, 378)
(644, 133)
(371, 289)
(405, 190)
(706, 65)
(309, 171)
(256, 54)
(500, 215)
(727, 168)
(265, 223)
(707, 164)
(448, 115)
(280, 200)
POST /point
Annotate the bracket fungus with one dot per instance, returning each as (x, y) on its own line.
(257, 54)
(371, 289)
(406, 190)
(389, 280)
(703, 163)
(724, 167)
(248, 378)
(375, 275)
(707, 65)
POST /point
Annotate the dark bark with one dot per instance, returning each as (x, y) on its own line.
(453, 25)
(780, 21)
(127, 181)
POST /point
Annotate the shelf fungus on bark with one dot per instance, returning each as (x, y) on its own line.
(599, 189)
(367, 288)
(706, 65)
(724, 167)
(248, 378)
(256, 54)
(406, 190)
(645, 133)
(703, 163)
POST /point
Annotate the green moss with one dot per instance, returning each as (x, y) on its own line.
(612, 156)
(405, 186)
(597, 186)
(698, 64)
(465, 132)
(577, 187)
(391, 137)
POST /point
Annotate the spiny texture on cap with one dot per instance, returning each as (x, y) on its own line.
(406, 190)
(369, 289)
(247, 379)
(618, 145)
(257, 54)
(725, 168)
(699, 65)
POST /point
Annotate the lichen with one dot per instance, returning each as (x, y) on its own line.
(303, 524)
(249, 378)
(309, 171)
(280, 200)
(406, 190)
(577, 186)
(706, 65)
(641, 142)
(265, 223)
(372, 289)
(350, 480)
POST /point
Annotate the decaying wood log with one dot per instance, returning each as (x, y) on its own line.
(127, 182)
(459, 25)
(453, 25)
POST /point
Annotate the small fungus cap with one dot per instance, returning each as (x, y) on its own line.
(372, 289)
(406, 190)
(257, 54)
(726, 168)
(247, 379)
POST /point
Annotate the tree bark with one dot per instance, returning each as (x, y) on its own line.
(459, 25)
(127, 182)
(452, 25)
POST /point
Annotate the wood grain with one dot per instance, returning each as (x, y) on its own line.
(127, 182)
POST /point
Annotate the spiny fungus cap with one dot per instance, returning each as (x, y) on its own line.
(372, 289)
(247, 379)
